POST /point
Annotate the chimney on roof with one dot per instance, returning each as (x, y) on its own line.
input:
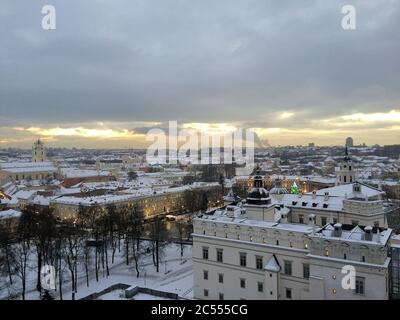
(378, 235)
(368, 233)
(337, 231)
(311, 221)
(326, 196)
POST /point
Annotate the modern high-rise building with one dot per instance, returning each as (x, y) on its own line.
(349, 142)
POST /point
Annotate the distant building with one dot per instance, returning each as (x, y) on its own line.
(17, 171)
(38, 151)
(311, 145)
(349, 142)
(152, 202)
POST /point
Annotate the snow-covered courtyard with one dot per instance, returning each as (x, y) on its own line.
(175, 275)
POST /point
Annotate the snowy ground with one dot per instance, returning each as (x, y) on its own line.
(175, 275)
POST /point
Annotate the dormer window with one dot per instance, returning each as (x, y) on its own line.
(294, 203)
(304, 204)
(325, 205)
(315, 205)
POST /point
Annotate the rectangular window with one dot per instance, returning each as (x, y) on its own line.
(243, 261)
(301, 218)
(288, 293)
(360, 285)
(220, 256)
(205, 292)
(323, 221)
(376, 224)
(335, 220)
(242, 283)
(220, 278)
(288, 267)
(259, 262)
(260, 286)
(205, 274)
(354, 222)
(306, 271)
(221, 296)
(205, 253)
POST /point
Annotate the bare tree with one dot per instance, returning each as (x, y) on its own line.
(6, 237)
(43, 230)
(135, 227)
(70, 247)
(22, 249)
(112, 224)
(158, 237)
(58, 259)
(181, 230)
(89, 217)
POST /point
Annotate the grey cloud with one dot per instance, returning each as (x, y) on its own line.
(197, 61)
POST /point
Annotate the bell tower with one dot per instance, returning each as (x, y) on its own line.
(38, 151)
(346, 173)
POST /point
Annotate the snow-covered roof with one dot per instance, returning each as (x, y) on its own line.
(347, 189)
(82, 173)
(123, 195)
(41, 200)
(308, 201)
(356, 234)
(272, 265)
(231, 196)
(17, 167)
(25, 194)
(295, 227)
(10, 213)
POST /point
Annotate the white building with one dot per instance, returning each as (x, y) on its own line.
(17, 171)
(236, 258)
(266, 250)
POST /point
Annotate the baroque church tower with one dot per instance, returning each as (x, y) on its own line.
(346, 173)
(38, 151)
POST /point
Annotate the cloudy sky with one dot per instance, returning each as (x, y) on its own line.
(114, 69)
